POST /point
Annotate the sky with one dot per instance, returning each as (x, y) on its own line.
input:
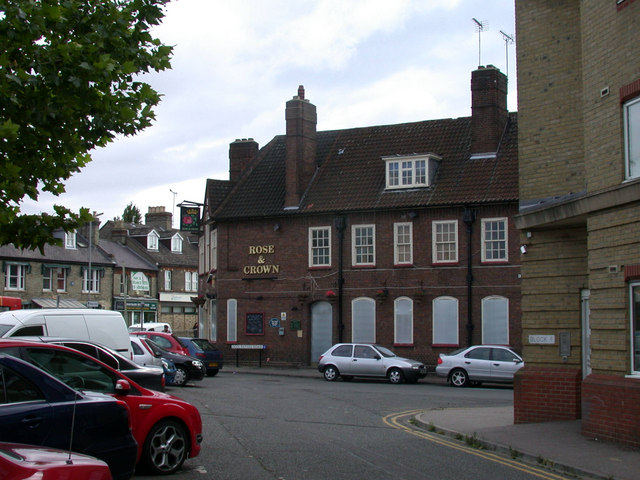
(237, 62)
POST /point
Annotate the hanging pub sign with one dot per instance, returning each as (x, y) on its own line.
(189, 219)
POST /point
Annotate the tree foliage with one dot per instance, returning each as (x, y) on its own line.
(131, 214)
(68, 84)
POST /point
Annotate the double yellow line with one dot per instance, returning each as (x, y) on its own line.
(400, 421)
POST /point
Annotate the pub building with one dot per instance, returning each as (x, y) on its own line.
(400, 235)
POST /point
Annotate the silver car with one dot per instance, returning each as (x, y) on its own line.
(348, 360)
(481, 363)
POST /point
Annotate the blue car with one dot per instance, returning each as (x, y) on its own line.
(205, 351)
(38, 409)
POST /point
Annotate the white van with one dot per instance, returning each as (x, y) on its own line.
(150, 327)
(101, 326)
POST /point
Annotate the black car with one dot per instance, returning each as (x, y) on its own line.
(187, 367)
(38, 409)
(148, 377)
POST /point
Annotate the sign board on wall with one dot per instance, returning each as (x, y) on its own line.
(139, 282)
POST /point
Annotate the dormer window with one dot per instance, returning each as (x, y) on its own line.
(152, 240)
(413, 171)
(176, 243)
(70, 240)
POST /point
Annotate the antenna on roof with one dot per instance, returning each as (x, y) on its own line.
(508, 40)
(480, 27)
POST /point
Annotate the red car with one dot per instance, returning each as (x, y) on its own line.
(168, 429)
(18, 461)
(168, 341)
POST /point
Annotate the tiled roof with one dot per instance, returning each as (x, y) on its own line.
(351, 174)
(59, 254)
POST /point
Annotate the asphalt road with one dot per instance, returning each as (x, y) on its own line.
(271, 427)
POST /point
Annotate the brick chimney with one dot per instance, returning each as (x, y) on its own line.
(489, 112)
(241, 153)
(119, 232)
(300, 163)
(157, 217)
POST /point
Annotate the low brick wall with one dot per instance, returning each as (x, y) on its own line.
(611, 409)
(546, 394)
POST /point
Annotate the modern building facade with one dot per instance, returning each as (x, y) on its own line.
(401, 235)
(579, 151)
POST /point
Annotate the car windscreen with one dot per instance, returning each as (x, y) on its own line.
(204, 345)
(4, 329)
(385, 351)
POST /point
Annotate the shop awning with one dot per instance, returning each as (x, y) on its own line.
(54, 303)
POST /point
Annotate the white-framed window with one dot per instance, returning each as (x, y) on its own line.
(176, 243)
(403, 321)
(409, 172)
(213, 320)
(363, 245)
(320, 246)
(91, 281)
(445, 321)
(54, 279)
(152, 240)
(495, 320)
(70, 240)
(363, 315)
(191, 281)
(634, 315)
(232, 320)
(444, 238)
(632, 137)
(167, 280)
(15, 275)
(403, 243)
(214, 249)
(494, 240)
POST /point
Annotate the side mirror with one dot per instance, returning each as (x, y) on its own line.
(122, 387)
(377, 357)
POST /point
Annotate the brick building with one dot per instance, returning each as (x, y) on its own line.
(579, 150)
(396, 234)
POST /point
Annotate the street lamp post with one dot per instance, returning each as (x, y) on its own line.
(90, 272)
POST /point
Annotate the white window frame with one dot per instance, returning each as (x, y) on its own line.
(70, 240)
(489, 323)
(152, 240)
(408, 172)
(167, 280)
(232, 320)
(319, 246)
(438, 240)
(403, 240)
(15, 276)
(634, 327)
(363, 320)
(495, 245)
(402, 322)
(214, 249)
(191, 281)
(176, 243)
(359, 249)
(443, 333)
(91, 281)
(631, 114)
(53, 275)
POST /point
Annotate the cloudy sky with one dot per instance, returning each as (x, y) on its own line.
(236, 63)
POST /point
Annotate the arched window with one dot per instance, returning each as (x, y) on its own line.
(363, 314)
(495, 320)
(232, 320)
(403, 321)
(445, 321)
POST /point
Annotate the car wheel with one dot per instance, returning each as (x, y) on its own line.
(181, 377)
(395, 375)
(165, 448)
(459, 378)
(212, 373)
(331, 373)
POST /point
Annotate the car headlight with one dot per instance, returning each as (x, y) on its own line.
(196, 363)
(165, 364)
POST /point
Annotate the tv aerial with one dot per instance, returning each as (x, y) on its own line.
(481, 26)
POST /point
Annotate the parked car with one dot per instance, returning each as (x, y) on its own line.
(477, 364)
(19, 461)
(187, 367)
(167, 429)
(168, 341)
(348, 360)
(38, 409)
(143, 354)
(206, 351)
(149, 377)
(150, 327)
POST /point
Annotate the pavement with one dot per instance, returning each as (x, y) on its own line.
(559, 446)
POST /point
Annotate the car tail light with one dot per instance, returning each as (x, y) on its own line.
(200, 355)
(440, 362)
(321, 356)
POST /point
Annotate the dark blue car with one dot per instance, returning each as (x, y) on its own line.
(207, 352)
(38, 409)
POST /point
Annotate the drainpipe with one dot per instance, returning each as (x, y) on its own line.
(340, 224)
(469, 218)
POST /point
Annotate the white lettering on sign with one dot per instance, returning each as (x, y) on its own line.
(542, 339)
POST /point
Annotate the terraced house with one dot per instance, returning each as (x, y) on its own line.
(397, 234)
